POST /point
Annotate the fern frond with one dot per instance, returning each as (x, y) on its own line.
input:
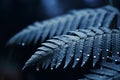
(109, 66)
(114, 10)
(111, 8)
(77, 45)
(107, 70)
(40, 31)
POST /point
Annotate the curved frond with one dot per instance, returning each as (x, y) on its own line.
(40, 31)
(107, 70)
(77, 45)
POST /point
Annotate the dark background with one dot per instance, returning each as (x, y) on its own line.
(17, 14)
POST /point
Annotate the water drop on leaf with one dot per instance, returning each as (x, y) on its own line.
(37, 69)
(77, 59)
(51, 68)
(94, 56)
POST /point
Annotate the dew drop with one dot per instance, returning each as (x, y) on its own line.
(107, 56)
(103, 57)
(80, 50)
(100, 49)
(71, 55)
(23, 44)
(59, 63)
(98, 53)
(84, 62)
(60, 60)
(116, 60)
(88, 55)
(51, 68)
(37, 69)
(99, 24)
(104, 35)
(107, 49)
(94, 56)
(118, 53)
(77, 59)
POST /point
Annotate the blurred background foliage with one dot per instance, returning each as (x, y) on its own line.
(17, 14)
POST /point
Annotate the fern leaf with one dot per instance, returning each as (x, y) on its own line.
(109, 18)
(61, 54)
(79, 45)
(40, 31)
(68, 24)
(111, 8)
(104, 71)
(87, 46)
(112, 14)
(96, 77)
(69, 49)
(61, 26)
(92, 18)
(107, 71)
(101, 15)
(83, 23)
(98, 43)
(78, 51)
(108, 68)
(112, 66)
(115, 44)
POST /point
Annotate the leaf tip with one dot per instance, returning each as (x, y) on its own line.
(23, 68)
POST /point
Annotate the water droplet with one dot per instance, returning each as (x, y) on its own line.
(60, 60)
(104, 35)
(23, 44)
(51, 68)
(107, 49)
(80, 50)
(59, 63)
(103, 57)
(116, 60)
(88, 55)
(100, 49)
(107, 56)
(84, 62)
(99, 24)
(37, 69)
(118, 53)
(94, 56)
(77, 59)
(71, 55)
(98, 53)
